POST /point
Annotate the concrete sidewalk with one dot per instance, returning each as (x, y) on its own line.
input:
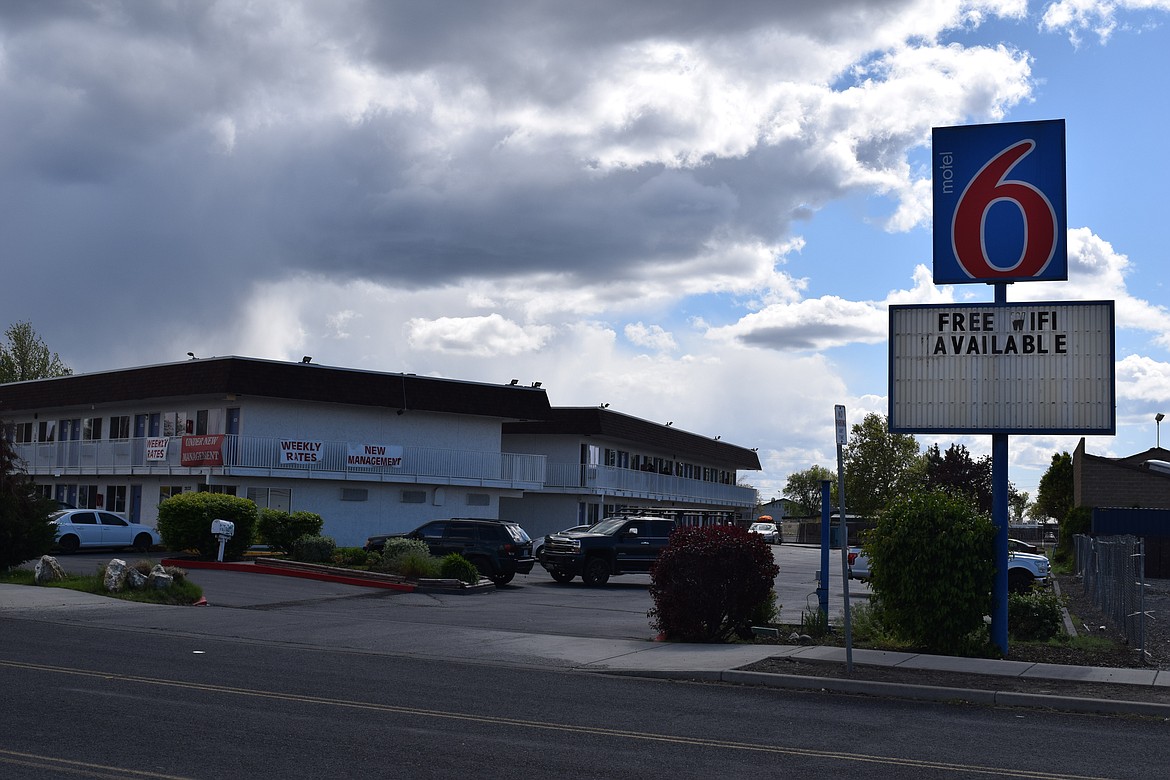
(642, 658)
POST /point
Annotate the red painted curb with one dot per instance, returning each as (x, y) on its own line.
(259, 568)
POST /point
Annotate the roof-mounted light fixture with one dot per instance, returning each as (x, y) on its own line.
(514, 382)
(307, 359)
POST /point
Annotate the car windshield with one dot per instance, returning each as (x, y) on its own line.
(608, 526)
(761, 527)
(518, 534)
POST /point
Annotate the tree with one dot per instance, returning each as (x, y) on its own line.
(879, 465)
(25, 356)
(1054, 498)
(804, 489)
(956, 472)
(25, 531)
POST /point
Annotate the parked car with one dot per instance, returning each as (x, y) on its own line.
(498, 548)
(1017, 545)
(538, 546)
(769, 531)
(77, 528)
(616, 545)
(1024, 569)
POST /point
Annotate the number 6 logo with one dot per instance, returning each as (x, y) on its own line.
(988, 187)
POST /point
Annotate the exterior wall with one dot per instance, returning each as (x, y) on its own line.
(1105, 482)
(349, 522)
(540, 514)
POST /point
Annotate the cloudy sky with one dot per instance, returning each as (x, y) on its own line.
(693, 211)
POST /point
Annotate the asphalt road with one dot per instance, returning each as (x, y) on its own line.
(283, 677)
(89, 700)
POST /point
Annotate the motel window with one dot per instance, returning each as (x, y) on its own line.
(47, 431)
(479, 499)
(271, 498)
(174, 423)
(116, 498)
(120, 427)
(414, 496)
(166, 491)
(88, 497)
(91, 428)
(355, 494)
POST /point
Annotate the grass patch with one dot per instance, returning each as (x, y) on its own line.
(181, 593)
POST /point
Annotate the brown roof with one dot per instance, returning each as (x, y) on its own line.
(597, 421)
(275, 379)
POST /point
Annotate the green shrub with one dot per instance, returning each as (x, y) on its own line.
(414, 565)
(279, 529)
(25, 530)
(184, 523)
(456, 567)
(932, 569)
(398, 545)
(709, 583)
(312, 549)
(1034, 616)
(1079, 520)
(351, 556)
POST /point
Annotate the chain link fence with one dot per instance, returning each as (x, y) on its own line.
(1112, 571)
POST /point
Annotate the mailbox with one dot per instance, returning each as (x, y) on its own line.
(223, 528)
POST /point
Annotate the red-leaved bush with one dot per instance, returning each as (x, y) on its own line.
(709, 582)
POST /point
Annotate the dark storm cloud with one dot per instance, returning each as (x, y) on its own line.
(181, 155)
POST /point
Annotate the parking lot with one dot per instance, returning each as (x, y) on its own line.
(531, 603)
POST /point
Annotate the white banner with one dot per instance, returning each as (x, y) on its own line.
(374, 455)
(156, 448)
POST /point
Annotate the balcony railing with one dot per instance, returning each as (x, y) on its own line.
(628, 483)
(262, 456)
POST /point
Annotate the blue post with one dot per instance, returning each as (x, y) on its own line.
(999, 515)
(826, 517)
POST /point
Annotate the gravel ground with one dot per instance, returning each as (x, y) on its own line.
(1087, 619)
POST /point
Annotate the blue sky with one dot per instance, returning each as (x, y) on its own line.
(692, 211)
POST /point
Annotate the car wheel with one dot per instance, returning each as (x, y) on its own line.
(143, 542)
(562, 577)
(503, 578)
(69, 544)
(1019, 581)
(596, 572)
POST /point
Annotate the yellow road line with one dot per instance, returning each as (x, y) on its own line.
(550, 726)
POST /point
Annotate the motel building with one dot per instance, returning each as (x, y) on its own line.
(370, 452)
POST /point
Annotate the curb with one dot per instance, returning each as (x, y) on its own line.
(259, 568)
(907, 691)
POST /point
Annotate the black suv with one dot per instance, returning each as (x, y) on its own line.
(499, 549)
(616, 545)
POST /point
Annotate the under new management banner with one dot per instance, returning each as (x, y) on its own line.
(1003, 368)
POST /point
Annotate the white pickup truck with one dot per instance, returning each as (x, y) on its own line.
(1024, 569)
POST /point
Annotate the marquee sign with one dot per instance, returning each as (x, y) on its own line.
(999, 203)
(1003, 368)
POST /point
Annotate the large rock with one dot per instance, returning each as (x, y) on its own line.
(48, 570)
(135, 580)
(115, 579)
(159, 579)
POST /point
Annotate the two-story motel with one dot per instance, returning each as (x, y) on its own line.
(370, 452)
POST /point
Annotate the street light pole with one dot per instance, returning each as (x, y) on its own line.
(1158, 429)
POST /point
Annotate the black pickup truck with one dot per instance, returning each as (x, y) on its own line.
(616, 545)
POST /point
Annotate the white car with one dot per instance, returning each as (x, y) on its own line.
(769, 531)
(77, 528)
(1024, 569)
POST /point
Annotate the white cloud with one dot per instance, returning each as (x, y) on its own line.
(490, 336)
(1099, 17)
(650, 336)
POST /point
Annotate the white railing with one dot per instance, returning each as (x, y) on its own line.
(619, 482)
(253, 455)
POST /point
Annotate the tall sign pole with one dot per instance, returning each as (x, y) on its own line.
(843, 439)
(1000, 368)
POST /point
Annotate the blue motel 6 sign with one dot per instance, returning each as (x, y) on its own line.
(999, 203)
